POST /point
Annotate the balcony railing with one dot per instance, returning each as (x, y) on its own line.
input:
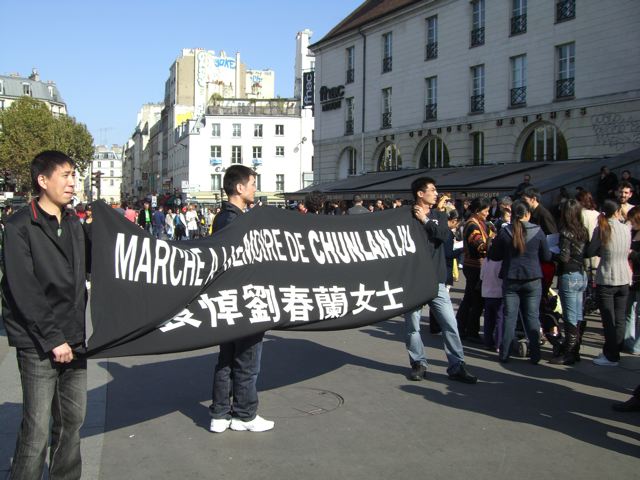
(387, 64)
(386, 120)
(565, 10)
(348, 127)
(257, 108)
(518, 96)
(565, 88)
(477, 37)
(432, 51)
(350, 75)
(430, 111)
(518, 24)
(477, 103)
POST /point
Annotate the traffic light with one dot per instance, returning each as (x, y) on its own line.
(95, 181)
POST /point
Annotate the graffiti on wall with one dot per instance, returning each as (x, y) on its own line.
(616, 130)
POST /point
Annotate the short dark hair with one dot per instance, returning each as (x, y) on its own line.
(479, 203)
(234, 175)
(314, 202)
(420, 184)
(357, 198)
(625, 184)
(45, 163)
(532, 192)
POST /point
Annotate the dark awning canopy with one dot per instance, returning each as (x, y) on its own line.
(497, 179)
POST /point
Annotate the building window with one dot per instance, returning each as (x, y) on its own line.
(216, 151)
(386, 108)
(348, 126)
(279, 151)
(477, 25)
(216, 182)
(99, 164)
(432, 38)
(259, 182)
(518, 81)
(215, 130)
(1, 103)
(237, 130)
(26, 89)
(111, 173)
(257, 152)
(353, 162)
(257, 130)
(111, 165)
(545, 143)
(50, 90)
(431, 102)
(279, 182)
(387, 44)
(519, 17)
(477, 89)
(390, 158)
(279, 130)
(434, 154)
(1, 87)
(236, 154)
(478, 148)
(351, 64)
(111, 182)
(565, 10)
(565, 84)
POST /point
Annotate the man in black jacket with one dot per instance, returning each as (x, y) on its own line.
(539, 214)
(44, 303)
(437, 228)
(238, 364)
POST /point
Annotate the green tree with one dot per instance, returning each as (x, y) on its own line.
(28, 127)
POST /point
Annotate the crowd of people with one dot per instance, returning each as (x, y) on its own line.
(509, 250)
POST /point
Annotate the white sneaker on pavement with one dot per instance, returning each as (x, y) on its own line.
(604, 361)
(258, 424)
(219, 425)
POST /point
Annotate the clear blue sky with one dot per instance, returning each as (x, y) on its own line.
(110, 57)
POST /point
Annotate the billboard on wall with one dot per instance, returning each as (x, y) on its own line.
(307, 88)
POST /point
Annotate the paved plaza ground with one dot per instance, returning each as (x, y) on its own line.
(344, 409)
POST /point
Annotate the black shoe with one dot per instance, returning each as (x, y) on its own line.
(461, 375)
(631, 405)
(418, 372)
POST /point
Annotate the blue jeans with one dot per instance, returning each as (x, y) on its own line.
(527, 293)
(632, 325)
(441, 306)
(493, 322)
(50, 389)
(571, 287)
(236, 375)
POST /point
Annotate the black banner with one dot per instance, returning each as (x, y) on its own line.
(308, 88)
(269, 269)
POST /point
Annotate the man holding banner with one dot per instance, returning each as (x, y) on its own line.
(238, 361)
(435, 223)
(44, 297)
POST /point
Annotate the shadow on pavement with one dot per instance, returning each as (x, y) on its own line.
(144, 392)
(537, 401)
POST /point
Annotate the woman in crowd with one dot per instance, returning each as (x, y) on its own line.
(572, 279)
(476, 238)
(521, 246)
(632, 331)
(168, 223)
(611, 242)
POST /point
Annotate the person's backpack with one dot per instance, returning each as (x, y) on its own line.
(176, 220)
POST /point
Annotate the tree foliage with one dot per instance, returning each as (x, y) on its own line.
(28, 127)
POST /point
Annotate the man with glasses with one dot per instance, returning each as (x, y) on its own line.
(435, 224)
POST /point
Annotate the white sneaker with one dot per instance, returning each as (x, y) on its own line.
(219, 425)
(258, 424)
(604, 361)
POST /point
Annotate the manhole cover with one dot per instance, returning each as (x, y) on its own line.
(291, 402)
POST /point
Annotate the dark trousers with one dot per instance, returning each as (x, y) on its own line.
(235, 376)
(470, 308)
(50, 390)
(521, 295)
(612, 302)
(493, 322)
